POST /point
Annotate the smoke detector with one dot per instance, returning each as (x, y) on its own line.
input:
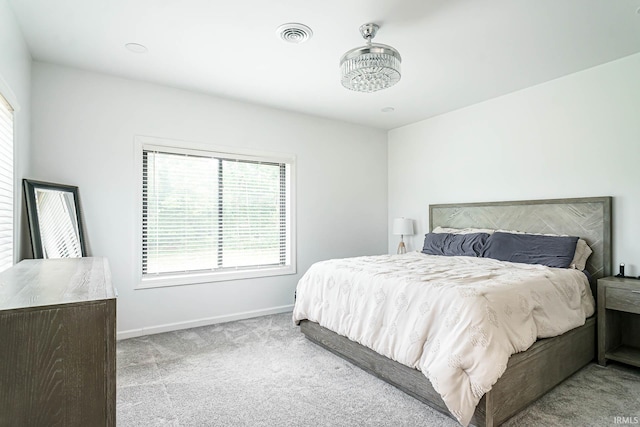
(294, 33)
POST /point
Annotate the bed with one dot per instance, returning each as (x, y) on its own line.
(528, 374)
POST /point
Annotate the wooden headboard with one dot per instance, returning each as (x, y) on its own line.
(588, 218)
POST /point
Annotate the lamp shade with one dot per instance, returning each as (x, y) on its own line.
(403, 226)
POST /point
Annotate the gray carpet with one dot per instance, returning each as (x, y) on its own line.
(263, 372)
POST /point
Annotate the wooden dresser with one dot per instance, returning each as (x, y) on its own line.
(57, 343)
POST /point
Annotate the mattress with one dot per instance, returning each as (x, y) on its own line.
(456, 319)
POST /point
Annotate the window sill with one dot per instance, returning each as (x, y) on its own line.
(161, 281)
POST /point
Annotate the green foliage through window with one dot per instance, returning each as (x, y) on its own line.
(211, 213)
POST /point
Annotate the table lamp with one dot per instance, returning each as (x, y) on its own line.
(403, 227)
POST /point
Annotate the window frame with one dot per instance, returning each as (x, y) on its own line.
(11, 99)
(189, 278)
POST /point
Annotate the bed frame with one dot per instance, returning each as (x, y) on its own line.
(532, 373)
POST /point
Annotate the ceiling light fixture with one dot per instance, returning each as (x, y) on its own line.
(371, 67)
(136, 47)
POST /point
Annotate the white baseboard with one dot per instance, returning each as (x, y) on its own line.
(150, 330)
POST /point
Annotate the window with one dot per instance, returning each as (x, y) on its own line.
(6, 184)
(214, 215)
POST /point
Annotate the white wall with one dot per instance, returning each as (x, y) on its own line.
(576, 136)
(15, 85)
(83, 134)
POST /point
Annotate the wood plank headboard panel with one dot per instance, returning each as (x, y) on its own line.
(588, 218)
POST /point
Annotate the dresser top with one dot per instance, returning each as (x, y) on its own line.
(42, 282)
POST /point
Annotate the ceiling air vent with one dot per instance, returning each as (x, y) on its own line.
(294, 33)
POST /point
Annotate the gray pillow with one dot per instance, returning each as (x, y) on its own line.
(449, 244)
(552, 251)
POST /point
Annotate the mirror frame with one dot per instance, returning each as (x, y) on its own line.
(30, 187)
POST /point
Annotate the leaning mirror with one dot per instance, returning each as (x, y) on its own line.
(54, 220)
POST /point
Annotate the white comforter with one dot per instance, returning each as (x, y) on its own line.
(456, 319)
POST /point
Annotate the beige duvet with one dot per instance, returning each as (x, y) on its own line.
(456, 319)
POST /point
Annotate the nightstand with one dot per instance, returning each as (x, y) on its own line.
(619, 320)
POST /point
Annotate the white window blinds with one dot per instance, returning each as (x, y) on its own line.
(6, 184)
(212, 212)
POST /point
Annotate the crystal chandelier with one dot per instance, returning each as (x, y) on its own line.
(372, 67)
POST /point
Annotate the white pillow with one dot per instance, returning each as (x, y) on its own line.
(583, 252)
(462, 230)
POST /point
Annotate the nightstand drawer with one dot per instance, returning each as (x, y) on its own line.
(623, 300)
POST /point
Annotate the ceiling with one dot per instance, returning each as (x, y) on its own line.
(455, 52)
